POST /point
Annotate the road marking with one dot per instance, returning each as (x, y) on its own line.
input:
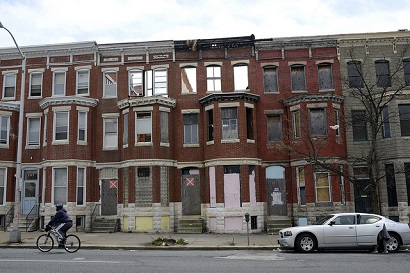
(257, 257)
(66, 261)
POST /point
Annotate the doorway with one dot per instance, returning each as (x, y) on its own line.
(29, 195)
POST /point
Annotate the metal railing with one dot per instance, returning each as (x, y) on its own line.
(7, 216)
(32, 216)
(94, 215)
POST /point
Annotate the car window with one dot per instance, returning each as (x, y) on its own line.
(369, 219)
(344, 220)
(323, 220)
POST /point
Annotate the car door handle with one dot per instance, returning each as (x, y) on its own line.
(350, 227)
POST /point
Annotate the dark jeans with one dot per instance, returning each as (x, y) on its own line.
(63, 230)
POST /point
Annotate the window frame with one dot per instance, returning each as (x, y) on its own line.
(4, 142)
(298, 77)
(404, 118)
(190, 121)
(81, 178)
(139, 121)
(229, 124)
(31, 131)
(3, 185)
(56, 73)
(359, 125)
(314, 129)
(64, 185)
(274, 127)
(386, 133)
(110, 135)
(56, 126)
(81, 85)
(82, 126)
(328, 186)
(213, 78)
(189, 84)
(301, 183)
(406, 71)
(354, 74)
(270, 78)
(325, 76)
(33, 74)
(382, 68)
(113, 82)
(297, 133)
(9, 85)
(241, 70)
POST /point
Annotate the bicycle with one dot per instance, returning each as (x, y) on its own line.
(45, 242)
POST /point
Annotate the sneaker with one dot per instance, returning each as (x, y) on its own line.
(60, 245)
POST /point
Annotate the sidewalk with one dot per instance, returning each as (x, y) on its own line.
(120, 240)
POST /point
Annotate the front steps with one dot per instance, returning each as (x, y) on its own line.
(190, 224)
(105, 224)
(276, 223)
(25, 224)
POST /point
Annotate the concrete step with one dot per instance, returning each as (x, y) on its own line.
(189, 224)
(104, 225)
(274, 225)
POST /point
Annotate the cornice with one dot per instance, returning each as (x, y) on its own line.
(10, 106)
(313, 98)
(142, 101)
(51, 101)
(228, 97)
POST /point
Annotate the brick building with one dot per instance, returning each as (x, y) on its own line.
(158, 133)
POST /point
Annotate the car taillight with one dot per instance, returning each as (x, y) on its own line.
(408, 225)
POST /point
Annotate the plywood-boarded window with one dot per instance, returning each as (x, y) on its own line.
(325, 76)
(270, 79)
(322, 182)
(274, 124)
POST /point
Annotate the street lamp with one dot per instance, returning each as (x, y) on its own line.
(15, 234)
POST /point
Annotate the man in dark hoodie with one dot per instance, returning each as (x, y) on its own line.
(63, 221)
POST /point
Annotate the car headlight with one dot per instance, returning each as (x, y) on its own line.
(287, 233)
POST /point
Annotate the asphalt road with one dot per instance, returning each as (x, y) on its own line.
(158, 261)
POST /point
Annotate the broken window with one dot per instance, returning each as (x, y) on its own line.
(241, 77)
(110, 84)
(213, 78)
(143, 128)
(188, 79)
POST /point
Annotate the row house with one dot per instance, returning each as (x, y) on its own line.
(153, 134)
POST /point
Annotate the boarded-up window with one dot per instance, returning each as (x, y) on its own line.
(298, 77)
(164, 186)
(296, 124)
(229, 123)
(404, 112)
(274, 127)
(318, 124)
(164, 127)
(270, 79)
(359, 125)
(300, 175)
(190, 128)
(325, 76)
(354, 73)
(143, 187)
(383, 73)
(322, 187)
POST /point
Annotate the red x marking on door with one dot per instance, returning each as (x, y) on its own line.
(190, 181)
(113, 184)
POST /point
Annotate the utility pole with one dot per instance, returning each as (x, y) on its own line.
(15, 234)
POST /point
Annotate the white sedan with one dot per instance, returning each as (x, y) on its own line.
(344, 230)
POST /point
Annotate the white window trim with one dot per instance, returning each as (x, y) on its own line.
(58, 71)
(6, 114)
(30, 116)
(88, 81)
(82, 110)
(105, 71)
(84, 186)
(105, 117)
(53, 184)
(36, 72)
(8, 73)
(61, 109)
(5, 186)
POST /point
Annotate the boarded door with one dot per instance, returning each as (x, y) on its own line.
(191, 195)
(109, 192)
(232, 190)
(30, 192)
(276, 189)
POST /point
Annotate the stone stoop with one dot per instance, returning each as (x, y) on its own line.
(24, 224)
(105, 224)
(274, 224)
(190, 224)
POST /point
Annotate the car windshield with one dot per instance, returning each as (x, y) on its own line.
(323, 220)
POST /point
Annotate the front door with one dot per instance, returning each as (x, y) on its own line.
(191, 195)
(362, 196)
(276, 189)
(109, 190)
(29, 198)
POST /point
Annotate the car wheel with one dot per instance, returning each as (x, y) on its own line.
(305, 243)
(394, 244)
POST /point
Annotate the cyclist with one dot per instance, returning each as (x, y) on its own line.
(63, 221)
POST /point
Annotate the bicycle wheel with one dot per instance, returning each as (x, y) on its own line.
(45, 243)
(72, 243)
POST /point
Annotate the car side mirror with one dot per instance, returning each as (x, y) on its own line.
(332, 223)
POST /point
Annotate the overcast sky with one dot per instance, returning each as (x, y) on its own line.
(38, 22)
